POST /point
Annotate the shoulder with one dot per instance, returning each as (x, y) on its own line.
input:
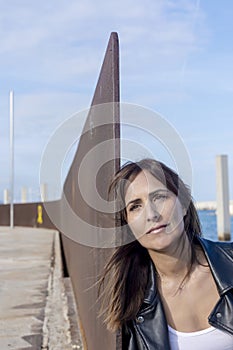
(217, 247)
(215, 244)
(219, 256)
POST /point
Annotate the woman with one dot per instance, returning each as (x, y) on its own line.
(167, 287)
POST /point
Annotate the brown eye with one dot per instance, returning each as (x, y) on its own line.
(134, 207)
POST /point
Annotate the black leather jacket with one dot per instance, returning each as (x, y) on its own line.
(149, 330)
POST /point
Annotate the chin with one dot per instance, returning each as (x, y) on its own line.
(159, 243)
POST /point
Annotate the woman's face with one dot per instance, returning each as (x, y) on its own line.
(154, 214)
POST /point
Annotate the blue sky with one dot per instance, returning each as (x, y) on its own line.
(176, 58)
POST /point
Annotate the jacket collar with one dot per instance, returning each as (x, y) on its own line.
(151, 290)
(220, 258)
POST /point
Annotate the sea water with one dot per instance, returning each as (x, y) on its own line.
(209, 224)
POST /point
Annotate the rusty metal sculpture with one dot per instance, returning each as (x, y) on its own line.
(85, 262)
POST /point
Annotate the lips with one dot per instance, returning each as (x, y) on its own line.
(157, 229)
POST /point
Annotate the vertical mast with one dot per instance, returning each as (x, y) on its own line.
(12, 158)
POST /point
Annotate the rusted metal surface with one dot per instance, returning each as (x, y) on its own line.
(85, 262)
(27, 214)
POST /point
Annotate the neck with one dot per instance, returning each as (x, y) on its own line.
(173, 262)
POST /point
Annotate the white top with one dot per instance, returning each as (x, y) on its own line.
(207, 339)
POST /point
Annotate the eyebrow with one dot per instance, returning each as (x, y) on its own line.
(137, 200)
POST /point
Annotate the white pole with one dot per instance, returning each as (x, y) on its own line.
(223, 214)
(23, 195)
(12, 158)
(6, 196)
(44, 192)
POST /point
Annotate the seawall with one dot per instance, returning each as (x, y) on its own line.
(212, 205)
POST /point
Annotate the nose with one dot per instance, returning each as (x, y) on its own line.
(152, 213)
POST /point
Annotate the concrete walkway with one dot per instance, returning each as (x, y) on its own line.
(34, 308)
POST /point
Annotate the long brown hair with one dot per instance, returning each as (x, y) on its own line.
(125, 276)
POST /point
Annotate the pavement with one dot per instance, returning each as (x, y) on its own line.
(37, 307)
